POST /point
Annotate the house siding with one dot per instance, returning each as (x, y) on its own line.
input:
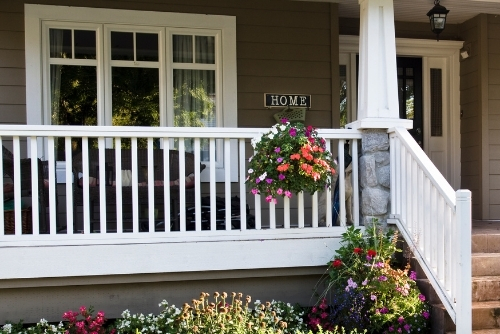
(470, 126)
(282, 47)
(493, 112)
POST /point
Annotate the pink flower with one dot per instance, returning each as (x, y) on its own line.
(279, 191)
(284, 120)
(292, 132)
(255, 191)
(277, 149)
(324, 315)
(281, 177)
(421, 297)
(288, 194)
(425, 314)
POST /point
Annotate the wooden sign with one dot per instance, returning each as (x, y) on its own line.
(287, 100)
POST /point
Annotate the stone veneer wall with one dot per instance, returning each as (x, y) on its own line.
(375, 178)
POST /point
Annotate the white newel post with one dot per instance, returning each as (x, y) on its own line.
(464, 249)
(377, 105)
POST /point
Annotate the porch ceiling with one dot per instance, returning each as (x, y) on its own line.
(416, 10)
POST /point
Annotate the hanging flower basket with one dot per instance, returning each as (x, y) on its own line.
(288, 159)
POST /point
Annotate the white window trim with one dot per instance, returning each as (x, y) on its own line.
(35, 15)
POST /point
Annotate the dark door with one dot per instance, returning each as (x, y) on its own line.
(410, 94)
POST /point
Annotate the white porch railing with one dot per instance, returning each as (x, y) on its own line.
(436, 223)
(228, 152)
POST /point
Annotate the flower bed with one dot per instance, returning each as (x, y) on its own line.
(364, 293)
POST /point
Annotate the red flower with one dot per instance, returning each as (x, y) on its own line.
(358, 250)
(337, 263)
(371, 253)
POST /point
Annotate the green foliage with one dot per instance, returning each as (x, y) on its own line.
(290, 158)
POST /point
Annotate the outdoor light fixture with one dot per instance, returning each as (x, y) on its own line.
(437, 17)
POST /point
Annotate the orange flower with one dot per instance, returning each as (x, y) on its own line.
(283, 167)
(295, 156)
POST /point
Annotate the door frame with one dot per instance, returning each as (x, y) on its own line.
(448, 52)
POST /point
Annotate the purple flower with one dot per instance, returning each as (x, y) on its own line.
(421, 297)
(284, 120)
(407, 327)
(425, 314)
(373, 297)
(380, 265)
(308, 133)
(413, 275)
(391, 329)
(281, 177)
(277, 149)
(279, 160)
(365, 282)
(257, 180)
(382, 278)
(384, 310)
(401, 320)
(269, 181)
(369, 258)
(293, 132)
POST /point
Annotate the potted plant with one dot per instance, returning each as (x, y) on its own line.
(288, 159)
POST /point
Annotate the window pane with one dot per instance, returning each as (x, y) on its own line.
(343, 95)
(60, 43)
(194, 102)
(85, 44)
(146, 47)
(135, 96)
(182, 48)
(73, 95)
(122, 45)
(73, 91)
(205, 49)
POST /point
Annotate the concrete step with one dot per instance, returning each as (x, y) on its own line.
(485, 243)
(485, 316)
(485, 288)
(485, 264)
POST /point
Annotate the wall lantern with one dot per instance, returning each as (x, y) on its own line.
(437, 17)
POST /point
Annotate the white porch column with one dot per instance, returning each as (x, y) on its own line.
(378, 82)
(378, 107)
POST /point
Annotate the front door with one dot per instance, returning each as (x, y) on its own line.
(410, 94)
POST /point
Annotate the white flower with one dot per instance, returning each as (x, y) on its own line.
(282, 127)
(270, 136)
(250, 171)
(263, 176)
(274, 130)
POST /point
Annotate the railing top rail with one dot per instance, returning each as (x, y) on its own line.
(426, 165)
(155, 132)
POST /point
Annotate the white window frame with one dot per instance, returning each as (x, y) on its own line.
(37, 95)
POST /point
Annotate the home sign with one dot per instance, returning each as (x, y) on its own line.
(287, 100)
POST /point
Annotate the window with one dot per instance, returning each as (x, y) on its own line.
(95, 67)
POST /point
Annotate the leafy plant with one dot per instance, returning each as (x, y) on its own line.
(288, 159)
(366, 291)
